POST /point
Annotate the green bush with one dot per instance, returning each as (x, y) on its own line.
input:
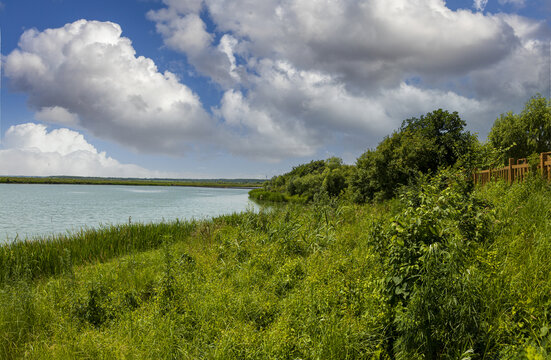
(421, 146)
(305, 181)
(433, 284)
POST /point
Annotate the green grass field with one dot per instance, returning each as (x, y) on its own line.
(440, 273)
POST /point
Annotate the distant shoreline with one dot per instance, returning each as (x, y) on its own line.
(214, 183)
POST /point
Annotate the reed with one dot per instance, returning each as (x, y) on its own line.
(46, 256)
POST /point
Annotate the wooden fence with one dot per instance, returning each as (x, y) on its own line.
(515, 171)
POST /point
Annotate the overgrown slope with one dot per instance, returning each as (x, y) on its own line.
(441, 272)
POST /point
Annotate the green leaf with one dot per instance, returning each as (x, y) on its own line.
(544, 331)
(400, 241)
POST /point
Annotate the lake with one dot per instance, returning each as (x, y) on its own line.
(31, 210)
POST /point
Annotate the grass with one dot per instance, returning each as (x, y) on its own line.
(261, 195)
(42, 257)
(308, 282)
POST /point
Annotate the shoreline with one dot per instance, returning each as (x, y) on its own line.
(216, 183)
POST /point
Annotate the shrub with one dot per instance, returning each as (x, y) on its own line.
(432, 281)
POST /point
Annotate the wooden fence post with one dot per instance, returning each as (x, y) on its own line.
(541, 164)
(475, 174)
(510, 175)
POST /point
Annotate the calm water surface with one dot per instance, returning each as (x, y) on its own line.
(29, 210)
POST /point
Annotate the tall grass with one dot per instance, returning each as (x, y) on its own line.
(263, 195)
(47, 256)
(442, 273)
(521, 288)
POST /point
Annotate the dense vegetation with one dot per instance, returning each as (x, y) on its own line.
(421, 146)
(305, 181)
(44, 257)
(219, 183)
(444, 271)
(524, 134)
(432, 268)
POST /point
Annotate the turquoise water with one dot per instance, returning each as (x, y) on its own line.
(29, 210)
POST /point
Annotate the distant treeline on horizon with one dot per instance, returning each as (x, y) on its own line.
(130, 181)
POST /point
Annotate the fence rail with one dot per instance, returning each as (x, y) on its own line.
(515, 171)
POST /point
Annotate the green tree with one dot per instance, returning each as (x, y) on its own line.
(420, 146)
(524, 134)
(334, 182)
(304, 181)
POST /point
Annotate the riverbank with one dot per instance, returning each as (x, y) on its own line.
(214, 183)
(441, 272)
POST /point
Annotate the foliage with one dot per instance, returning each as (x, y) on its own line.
(266, 195)
(305, 181)
(486, 156)
(524, 134)
(276, 284)
(421, 146)
(432, 281)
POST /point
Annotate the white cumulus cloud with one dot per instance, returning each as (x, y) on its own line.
(187, 33)
(30, 150)
(365, 43)
(86, 72)
(480, 5)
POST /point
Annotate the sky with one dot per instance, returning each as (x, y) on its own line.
(249, 89)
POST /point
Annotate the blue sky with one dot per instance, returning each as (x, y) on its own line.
(215, 88)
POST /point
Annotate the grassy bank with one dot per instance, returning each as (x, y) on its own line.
(43, 257)
(216, 183)
(441, 272)
(261, 195)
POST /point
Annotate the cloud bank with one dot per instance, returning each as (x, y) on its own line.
(30, 150)
(322, 71)
(86, 74)
(296, 77)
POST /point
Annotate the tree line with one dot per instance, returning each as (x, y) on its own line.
(421, 146)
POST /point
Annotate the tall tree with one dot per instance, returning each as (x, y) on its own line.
(524, 134)
(421, 145)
